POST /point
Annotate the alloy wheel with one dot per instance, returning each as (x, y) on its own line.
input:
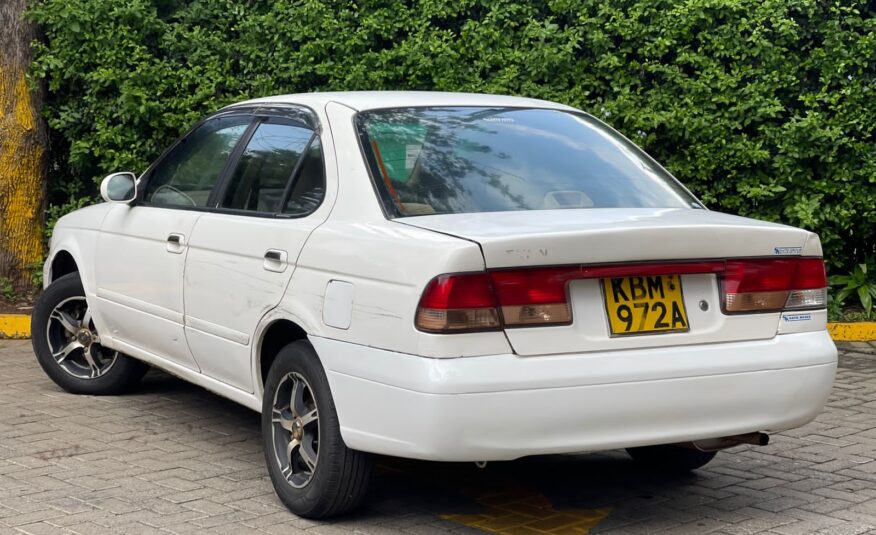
(74, 342)
(295, 425)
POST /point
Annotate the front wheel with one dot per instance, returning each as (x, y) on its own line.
(671, 458)
(67, 344)
(313, 472)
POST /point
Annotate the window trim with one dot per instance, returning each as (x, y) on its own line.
(296, 176)
(146, 177)
(293, 114)
(231, 163)
(388, 206)
(221, 188)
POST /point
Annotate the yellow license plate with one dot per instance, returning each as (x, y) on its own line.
(641, 305)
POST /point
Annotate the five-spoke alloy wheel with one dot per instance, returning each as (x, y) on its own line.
(74, 343)
(296, 429)
(314, 473)
(68, 346)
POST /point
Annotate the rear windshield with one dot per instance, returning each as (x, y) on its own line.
(454, 160)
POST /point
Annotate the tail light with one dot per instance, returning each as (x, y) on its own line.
(534, 296)
(768, 285)
(489, 301)
(472, 301)
(458, 302)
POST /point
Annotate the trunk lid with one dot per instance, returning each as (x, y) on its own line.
(609, 236)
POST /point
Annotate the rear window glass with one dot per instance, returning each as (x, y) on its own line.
(455, 160)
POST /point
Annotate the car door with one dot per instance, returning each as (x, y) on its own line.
(241, 255)
(141, 248)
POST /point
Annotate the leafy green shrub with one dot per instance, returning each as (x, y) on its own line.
(764, 108)
(859, 283)
(7, 289)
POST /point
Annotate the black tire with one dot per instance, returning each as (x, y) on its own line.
(338, 482)
(671, 458)
(121, 373)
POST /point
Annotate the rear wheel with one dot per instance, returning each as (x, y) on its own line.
(671, 458)
(313, 472)
(67, 344)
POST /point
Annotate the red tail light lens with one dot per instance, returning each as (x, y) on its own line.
(810, 274)
(462, 290)
(764, 285)
(459, 302)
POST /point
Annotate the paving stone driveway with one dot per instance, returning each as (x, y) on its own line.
(174, 458)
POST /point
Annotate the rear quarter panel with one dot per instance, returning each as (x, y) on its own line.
(387, 263)
(388, 266)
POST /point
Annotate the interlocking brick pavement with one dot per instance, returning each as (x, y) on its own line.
(172, 458)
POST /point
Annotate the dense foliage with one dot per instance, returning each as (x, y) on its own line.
(763, 108)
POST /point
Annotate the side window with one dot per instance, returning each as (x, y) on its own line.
(265, 167)
(309, 187)
(186, 176)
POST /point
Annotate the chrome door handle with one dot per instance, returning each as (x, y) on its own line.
(275, 260)
(176, 243)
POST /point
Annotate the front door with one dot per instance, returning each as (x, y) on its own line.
(242, 255)
(141, 249)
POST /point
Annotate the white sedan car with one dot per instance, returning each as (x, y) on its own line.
(452, 277)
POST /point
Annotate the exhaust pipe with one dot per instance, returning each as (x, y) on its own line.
(715, 444)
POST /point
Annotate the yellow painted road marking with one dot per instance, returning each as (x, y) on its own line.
(521, 512)
(14, 326)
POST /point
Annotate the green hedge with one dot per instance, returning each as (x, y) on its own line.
(764, 108)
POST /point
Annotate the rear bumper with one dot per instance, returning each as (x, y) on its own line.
(503, 407)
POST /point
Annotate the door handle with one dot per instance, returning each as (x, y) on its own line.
(176, 243)
(275, 260)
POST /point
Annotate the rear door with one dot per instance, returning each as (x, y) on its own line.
(142, 248)
(242, 254)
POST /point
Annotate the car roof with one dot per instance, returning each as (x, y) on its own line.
(370, 100)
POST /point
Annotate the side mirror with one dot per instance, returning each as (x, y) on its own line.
(119, 187)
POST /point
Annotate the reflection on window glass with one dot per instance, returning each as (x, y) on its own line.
(309, 187)
(466, 159)
(187, 175)
(265, 167)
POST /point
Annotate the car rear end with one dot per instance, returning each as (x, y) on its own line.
(633, 316)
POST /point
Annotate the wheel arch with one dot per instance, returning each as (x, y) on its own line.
(62, 264)
(276, 333)
(72, 247)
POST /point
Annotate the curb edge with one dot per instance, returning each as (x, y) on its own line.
(16, 326)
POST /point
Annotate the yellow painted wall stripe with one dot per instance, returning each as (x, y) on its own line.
(14, 326)
(18, 326)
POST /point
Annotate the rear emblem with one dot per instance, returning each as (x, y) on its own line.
(787, 250)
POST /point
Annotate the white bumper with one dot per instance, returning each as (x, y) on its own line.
(503, 407)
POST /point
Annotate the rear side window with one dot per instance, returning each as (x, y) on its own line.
(266, 167)
(468, 159)
(185, 177)
(309, 186)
